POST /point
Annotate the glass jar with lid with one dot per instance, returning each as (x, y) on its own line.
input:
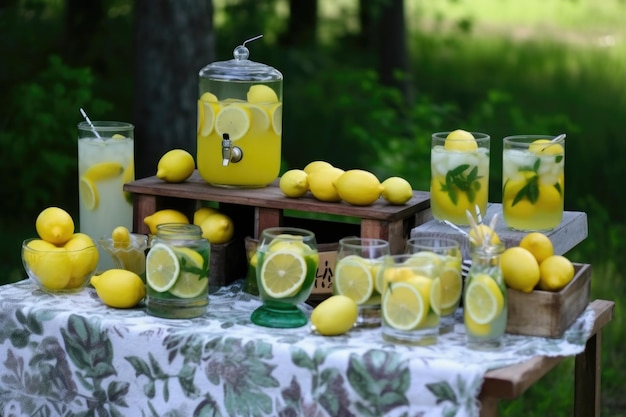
(239, 122)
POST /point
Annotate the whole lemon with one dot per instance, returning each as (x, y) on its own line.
(397, 190)
(218, 228)
(260, 93)
(120, 237)
(175, 166)
(460, 140)
(358, 187)
(316, 166)
(54, 225)
(83, 255)
(294, 183)
(202, 214)
(164, 216)
(335, 315)
(321, 184)
(32, 255)
(520, 269)
(481, 232)
(538, 244)
(54, 269)
(556, 272)
(119, 288)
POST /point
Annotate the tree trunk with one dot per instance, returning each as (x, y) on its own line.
(173, 40)
(302, 25)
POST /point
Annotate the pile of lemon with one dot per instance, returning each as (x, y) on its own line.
(533, 265)
(60, 258)
(355, 186)
(217, 227)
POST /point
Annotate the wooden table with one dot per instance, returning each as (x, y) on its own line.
(512, 381)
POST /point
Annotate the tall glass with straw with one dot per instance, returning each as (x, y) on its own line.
(105, 164)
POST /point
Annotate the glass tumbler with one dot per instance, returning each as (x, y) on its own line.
(459, 176)
(447, 254)
(287, 261)
(411, 299)
(533, 182)
(357, 275)
(105, 164)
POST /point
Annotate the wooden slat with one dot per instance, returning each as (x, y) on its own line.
(571, 231)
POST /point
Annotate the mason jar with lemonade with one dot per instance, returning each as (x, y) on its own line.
(239, 122)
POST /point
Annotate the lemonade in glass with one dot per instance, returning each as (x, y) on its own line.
(533, 178)
(358, 275)
(105, 164)
(411, 299)
(459, 181)
(485, 298)
(285, 269)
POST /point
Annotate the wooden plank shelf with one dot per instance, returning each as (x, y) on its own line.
(571, 231)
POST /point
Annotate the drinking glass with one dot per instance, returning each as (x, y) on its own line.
(105, 164)
(411, 299)
(357, 275)
(485, 298)
(447, 253)
(533, 182)
(459, 176)
(287, 261)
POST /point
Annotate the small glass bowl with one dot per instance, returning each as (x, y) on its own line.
(57, 270)
(131, 258)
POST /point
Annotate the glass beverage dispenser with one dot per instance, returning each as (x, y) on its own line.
(239, 122)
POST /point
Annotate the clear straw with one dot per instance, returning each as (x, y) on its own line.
(89, 123)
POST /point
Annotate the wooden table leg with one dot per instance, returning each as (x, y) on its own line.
(143, 206)
(587, 379)
(488, 406)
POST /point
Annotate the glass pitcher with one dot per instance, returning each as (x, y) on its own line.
(239, 122)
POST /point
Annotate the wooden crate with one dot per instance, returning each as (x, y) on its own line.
(255, 209)
(549, 314)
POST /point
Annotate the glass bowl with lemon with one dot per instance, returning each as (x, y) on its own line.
(60, 269)
(286, 267)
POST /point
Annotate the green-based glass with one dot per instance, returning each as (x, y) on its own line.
(287, 261)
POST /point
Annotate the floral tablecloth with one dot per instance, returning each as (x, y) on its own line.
(69, 355)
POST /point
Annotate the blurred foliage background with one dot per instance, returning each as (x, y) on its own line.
(497, 66)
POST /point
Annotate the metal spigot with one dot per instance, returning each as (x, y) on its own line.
(230, 153)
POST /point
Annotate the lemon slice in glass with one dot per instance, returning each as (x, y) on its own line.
(435, 296)
(233, 120)
(189, 258)
(484, 300)
(209, 110)
(162, 268)
(354, 279)
(104, 171)
(260, 118)
(88, 193)
(403, 306)
(451, 287)
(276, 114)
(189, 285)
(283, 273)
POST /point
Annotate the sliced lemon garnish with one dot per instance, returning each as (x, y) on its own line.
(129, 176)
(483, 300)
(209, 110)
(283, 273)
(200, 116)
(104, 171)
(162, 268)
(451, 286)
(233, 120)
(353, 279)
(276, 114)
(189, 258)
(404, 306)
(260, 118)
(435, 296)
(88, 193)
(189, 285)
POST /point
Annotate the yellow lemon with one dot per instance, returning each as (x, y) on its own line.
(164, 216)
(202, 214)
(316, 166)
(397, 190)
(460, 140)
(481, 232)
(321, 184)
(209, 97)
(128, 176)
(33, 250)
(218, 228)
(358, 187)
(234, 120)
(519, 269)
(207, 110)
(260, 93)
(88, 193)
(83, 255)
(104, 171)
(538, 244)
(175, 166)
(556, 272)
(120, 237)
(335, 315)
(294, 183)
(545, 147)
(276, 114)
(483, 300)
(119, 288)
(54, 269)
(54, 225)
